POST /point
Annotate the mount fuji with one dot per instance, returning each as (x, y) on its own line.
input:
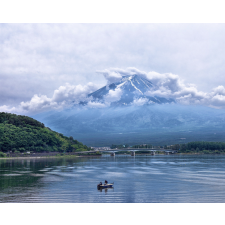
(158, 121)
(132, 88)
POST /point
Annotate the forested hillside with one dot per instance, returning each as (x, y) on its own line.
(22, 133)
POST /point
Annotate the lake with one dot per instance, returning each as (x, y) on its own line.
(137, 179)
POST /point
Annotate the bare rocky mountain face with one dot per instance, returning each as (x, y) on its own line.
(134, 116)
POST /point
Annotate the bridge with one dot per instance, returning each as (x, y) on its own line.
(132, 150)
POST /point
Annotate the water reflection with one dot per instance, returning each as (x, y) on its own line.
(105, 189)
(175, 178)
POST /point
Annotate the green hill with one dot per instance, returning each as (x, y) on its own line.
(22, 133)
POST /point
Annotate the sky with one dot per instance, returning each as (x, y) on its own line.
(51, 63)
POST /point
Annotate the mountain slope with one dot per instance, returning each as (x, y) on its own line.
(134, 125)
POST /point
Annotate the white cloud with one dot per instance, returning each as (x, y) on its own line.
(114, 75)
(110, 76)
(74, 93)
(170, 85)
(140, 101)
(64, 96)
(5, 108)
(92, 104)
(219, 90)
(113, 95)
(39, 103)
(217, 97)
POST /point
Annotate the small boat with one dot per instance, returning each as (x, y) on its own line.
(99, 186)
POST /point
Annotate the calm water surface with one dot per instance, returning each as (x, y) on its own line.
(159, 178)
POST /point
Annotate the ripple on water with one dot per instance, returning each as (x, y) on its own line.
(12, 174)
(114, 174)
(37, 175)
(83, 171)
(51, 179)
(23, 172)
(64, 174)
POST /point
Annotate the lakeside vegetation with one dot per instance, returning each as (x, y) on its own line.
(127, 146)
(200, 147)
(20, 134)
(204, 147)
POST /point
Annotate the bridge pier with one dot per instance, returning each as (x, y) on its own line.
(132, 153)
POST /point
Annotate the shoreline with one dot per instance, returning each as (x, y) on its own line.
(82, 156)
(51, 157)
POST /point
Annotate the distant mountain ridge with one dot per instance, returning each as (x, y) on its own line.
(157, 121)
(150, 124)
(133, 87)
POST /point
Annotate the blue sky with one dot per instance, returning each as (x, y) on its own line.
(42, 59)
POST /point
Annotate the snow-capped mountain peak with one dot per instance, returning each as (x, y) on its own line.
(133, 89)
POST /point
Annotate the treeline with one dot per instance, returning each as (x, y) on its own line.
(127, 146)
(119, 146)
(205, 147)
(22, 133)
(142, 146)
(200, 147)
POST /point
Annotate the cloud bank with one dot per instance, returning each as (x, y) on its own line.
(170, 85)
(62, 97)
(39, 58)
(166, 85)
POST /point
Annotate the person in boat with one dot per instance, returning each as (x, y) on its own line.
(106, 182)
(99, 185)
